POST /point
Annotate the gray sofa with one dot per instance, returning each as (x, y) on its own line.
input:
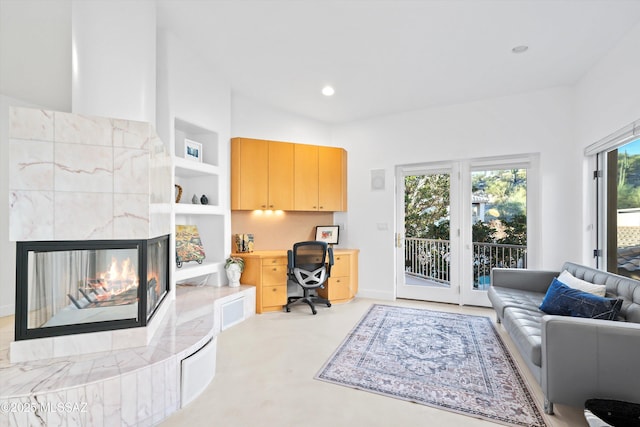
(572, 358)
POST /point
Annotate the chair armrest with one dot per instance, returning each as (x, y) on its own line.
(588, 358)
(290, 263)
(330, 263)
(523, 279)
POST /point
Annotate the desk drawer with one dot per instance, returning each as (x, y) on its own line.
(274, 275)
(339, 288)
(281, 260)
(274, 296)
(341, 265)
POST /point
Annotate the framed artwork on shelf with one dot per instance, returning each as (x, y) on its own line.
(328, 234)
(188, 245)
(192, 150)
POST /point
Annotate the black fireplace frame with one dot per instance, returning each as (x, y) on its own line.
(22, 332)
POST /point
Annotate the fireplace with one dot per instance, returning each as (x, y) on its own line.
(72, 287)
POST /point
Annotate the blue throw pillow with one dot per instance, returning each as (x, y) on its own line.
(565, 301)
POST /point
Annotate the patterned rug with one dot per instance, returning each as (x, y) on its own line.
(450, 361)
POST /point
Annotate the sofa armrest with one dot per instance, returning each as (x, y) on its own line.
(523, 279)
(588, 358)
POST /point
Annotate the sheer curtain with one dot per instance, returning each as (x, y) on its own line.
(52, 277)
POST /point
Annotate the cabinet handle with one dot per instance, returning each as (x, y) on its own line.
(321, 207)
(275, 269)
(271, 206)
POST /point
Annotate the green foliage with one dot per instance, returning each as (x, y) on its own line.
(427, 206)
(628, 181)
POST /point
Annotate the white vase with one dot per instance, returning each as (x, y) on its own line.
(233, 274)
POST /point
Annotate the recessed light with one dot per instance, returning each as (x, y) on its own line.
(328, 91)
(520, 49)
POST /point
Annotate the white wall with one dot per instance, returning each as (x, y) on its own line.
(251, 119)
(35, 52)
(607, 98)
(539, 122)
(114, 59)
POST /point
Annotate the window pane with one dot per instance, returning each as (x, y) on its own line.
(499, 222)
(624, 211)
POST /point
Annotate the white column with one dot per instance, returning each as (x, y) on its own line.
(114, 59)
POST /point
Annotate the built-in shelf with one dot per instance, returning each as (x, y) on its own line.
(189, 168)
(191, 209)
(198, 178)
(190, 270)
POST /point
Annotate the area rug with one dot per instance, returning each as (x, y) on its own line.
(450, 361)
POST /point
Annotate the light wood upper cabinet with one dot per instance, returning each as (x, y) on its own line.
(320, 178)
(305, 181)
(261, 174)
(281, 175)
(287, 176)
(332, 179)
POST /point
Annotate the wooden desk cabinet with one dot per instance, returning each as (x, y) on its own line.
(343, 282)
(267, 271)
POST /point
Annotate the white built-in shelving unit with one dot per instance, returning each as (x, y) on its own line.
(199, 178)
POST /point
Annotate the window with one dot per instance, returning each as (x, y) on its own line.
(617, 178)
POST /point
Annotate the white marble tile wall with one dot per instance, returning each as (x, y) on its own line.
(76, 177)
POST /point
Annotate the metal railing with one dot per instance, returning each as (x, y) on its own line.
(430, 259)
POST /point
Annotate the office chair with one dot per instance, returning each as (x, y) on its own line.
(308, 267)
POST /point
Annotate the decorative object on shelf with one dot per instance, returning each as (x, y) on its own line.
(195, 200)
(234, 266)
(188, 245)
(328, 234)
(244, 243)
(178, 193)
(204, 200)
(192, 150)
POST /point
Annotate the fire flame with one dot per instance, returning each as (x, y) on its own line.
(120, 278)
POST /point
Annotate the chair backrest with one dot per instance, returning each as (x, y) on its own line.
(309, 255)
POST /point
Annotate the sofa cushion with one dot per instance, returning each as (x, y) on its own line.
(617, 287)
(573, 282)
(502, 298)
(565, 301)
(525, 329)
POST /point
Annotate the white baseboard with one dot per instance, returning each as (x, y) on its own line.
(383, 295)
(7, 310)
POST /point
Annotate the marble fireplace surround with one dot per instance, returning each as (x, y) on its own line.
(76, 177)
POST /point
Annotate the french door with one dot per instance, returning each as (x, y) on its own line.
(428, 232)
(458, 220)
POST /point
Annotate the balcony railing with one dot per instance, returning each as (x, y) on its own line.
(431, 259)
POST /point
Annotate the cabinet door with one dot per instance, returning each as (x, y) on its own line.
(332, 179)
(252, 176)
(280, 175)
(341, 265)
(339, 288)
(305, 177)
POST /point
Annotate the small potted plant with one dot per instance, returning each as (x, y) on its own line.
(234, 266)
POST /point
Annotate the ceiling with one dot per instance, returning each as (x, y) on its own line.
(384, 57)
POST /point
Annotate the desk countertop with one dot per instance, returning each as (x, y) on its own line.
(283, 253)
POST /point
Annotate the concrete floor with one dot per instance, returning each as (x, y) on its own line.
(266, 365)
